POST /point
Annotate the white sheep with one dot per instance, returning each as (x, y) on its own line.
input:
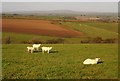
(36, 46)
(91, 61)
(46, 49)
(30, 49)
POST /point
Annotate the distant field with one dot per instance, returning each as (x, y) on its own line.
(38, 27)
(30, 17)
(107, 26)
(94, 29)
(63, 62)
(20, 30)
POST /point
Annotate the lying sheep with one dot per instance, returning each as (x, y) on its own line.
(46, 49)
(36, 46)
(30, 49)
(91, 61)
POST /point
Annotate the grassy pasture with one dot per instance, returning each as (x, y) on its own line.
(108, 26)
(94, 29)
(19, 37)
(63, 62)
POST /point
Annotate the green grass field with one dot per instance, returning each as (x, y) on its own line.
(63, 62)
(94, 29)
(19, 38)
(108, 26)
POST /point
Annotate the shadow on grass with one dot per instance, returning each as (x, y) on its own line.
(45, 52)
(53, 51)
(37, 51)
(100, 62)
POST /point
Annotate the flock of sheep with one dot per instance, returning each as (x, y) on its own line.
(36, 47)
(47, 49)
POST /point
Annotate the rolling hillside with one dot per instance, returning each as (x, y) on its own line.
(71, 32)
(94, 29)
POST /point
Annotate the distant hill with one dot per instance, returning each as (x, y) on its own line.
(64, 13)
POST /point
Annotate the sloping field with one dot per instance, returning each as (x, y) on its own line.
(39, 27)
(107, 26)
(94, 29)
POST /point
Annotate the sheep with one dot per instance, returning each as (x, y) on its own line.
(36, 46)
(46, 49)
(91, 61)
(30, 49)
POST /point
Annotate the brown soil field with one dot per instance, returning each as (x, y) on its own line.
(38, 27)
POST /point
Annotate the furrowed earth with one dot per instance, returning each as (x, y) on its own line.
(38, 27)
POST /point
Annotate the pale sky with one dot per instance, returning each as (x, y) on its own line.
(60, 0)
(75, 6)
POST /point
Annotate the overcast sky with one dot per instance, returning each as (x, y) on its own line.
(75, 6)
(60, 0)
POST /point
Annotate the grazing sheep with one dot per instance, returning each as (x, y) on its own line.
(46, 49)
(91, 61)
(30, 49)
(36, 46)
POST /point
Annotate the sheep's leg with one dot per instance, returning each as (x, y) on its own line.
(48, 51)
(34, 48)
(37, 49)
(28, 51)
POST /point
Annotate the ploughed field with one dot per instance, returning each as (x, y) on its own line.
(38, 27)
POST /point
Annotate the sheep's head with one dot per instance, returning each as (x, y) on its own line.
(39, 44)
(27, 47)
(97, 59)
(50, 47)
